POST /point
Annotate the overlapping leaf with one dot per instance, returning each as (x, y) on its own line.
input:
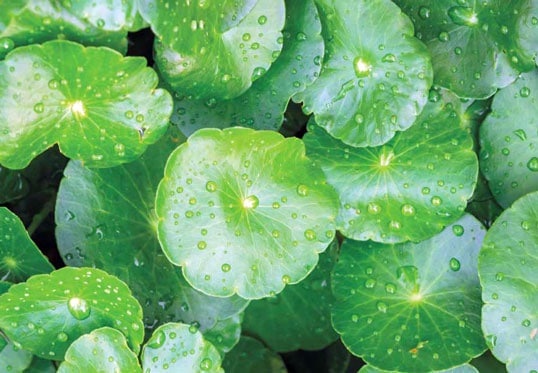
(375, 77)
(98, 106)
(251, 356)
(412, 307)
(509, 141)
(507, 267)
(407, 189)
(236, 220)
(476, 46)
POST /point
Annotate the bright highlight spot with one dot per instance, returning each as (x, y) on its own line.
(78, 109)
(416, 297)
(385, 159)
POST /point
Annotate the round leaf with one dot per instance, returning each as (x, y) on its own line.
(225, 334)
(236, 220)
(251, 356)
(215, 50)
(375, 79)
(297, 66)
(105, 218)
(476, 46)
(465, 368)
(98, 106)
(103, 350)
(408, 189)
(509, 141)
(179, 348)
(414, 306)
(30, 22)
(13, 359)
(507, 267)
(308, 327)
(19, 256)
(48, 312)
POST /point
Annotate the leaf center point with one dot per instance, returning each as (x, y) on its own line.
(78, 109)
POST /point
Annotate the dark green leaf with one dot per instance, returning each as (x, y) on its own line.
(236, 220)
(225, 334)
(84, 21)
(412, 307)
(102, 350)
(106, 218)
(375, 75)
(308, 327)
(507, 267)
(215, 50)
(48, 312)
(4, 286)
(98, 106)
(408, 189)
(179, 348)
(251, 356)
(476, 46)
(509, 141)
(13, 185)
(262, 106)
(12, 358)
(465, 368)
(19, 256)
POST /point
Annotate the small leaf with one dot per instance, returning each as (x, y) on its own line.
(509, 139)
(25, 22)
(407, 189)
(98, 106)
(48, 312)
(179, 348)
(263, 105)
(235, 220)
(507, 267)
(102, 350)
(105, 218)
(215, 50)
(411, 307)
(251, 356)
(309, 326)
(225, 334)
(19, 256)
(375, 79)
(476, 46)
(12, 358)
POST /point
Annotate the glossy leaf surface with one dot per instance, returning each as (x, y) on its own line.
(375, 79)
(509, 141)
(48, 312)
(407, 189)
(308, 327)
(507, 267)
(262, 106)
(251, 356)
(235, 220)
(412, 307)
(465, 368)
(106, 218)
(99, 107)
(476, 46)
(13, 359)
(19, 256)
(102, 350)
(179, 348)
(215, 50)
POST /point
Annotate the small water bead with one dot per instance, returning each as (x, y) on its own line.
(408, 210)
(374, 208)
(525, 92)
(454, 264)
(39, 108)
(310, 235)
(436, 201)
(499, 276)
(532, 164)
(302, 190)
(526, 323)
(458, 230)
(226, 267)
(443, 36)
(206, 364)
(202, 245)
(286, 279)
(157, 340)
(424, 12)
(370, 283)
(382, 307)
(390, 288)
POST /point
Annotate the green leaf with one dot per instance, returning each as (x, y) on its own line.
(19, 256)
(41, 366)
(476, 46)
(251, 356)
(179, 348)
(4, 286)
(465, 368)
(12, 358)
(32, 22)
(414, 306)
(215, 50)
(262, 106)
(13, 185)
(408, 189)
(507, 267)
(375, 76)
(225, 334)
(106, 218)
(48, 312)
(102, 350)
(509, 139)
(98, 106)
(308, 327)
(235, 220)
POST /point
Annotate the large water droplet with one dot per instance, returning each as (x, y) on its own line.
(251, 202)
(532, 164)
(206, 364)
(454, 264)
(157, 340)
(79, 308)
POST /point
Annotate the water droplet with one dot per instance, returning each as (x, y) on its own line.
(100, 23)
(374, 208)
(246, 36)
(39, 108)
(521, 134)
(370, 283)
(251, 202)
(436, 201)
(202, 245)
(310, 235)
(361, 67)
(79, 308)
(408, 210)
(226, 267)
(526, 323)
(382, 307)
(354, 318)
(286, 279)
(302, 190)
(458, 230)
(389, 57)
(194, 327)
(499, 276)
(206, 363)
(62, 337)
(157, 340)
(424, 12)
(532, 164)
(262, 20)
(443, 36)
(454, 264)
(301, 36)
(525, 92)
(390, 288)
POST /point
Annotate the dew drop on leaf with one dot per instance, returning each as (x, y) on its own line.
(454, 264)
(458, 230)
(79, 308)
(157, 340)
